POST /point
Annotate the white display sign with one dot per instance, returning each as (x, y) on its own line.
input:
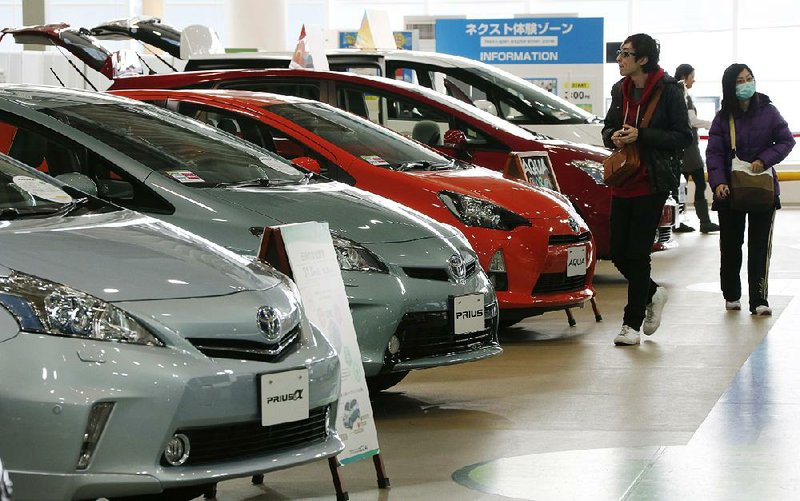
(312, 257)
(284, 397)
(42, 189)
(576, 261)
(468, 314)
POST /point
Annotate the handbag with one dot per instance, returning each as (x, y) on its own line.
(750, 191)
(623, 162)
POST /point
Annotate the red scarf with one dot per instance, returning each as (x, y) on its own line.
(638, 184)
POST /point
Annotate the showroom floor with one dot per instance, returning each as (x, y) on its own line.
(708, 408)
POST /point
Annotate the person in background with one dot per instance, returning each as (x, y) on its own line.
(693, 164)
(636, 205)
(764, 139)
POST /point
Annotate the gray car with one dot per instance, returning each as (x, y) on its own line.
(132, 353)
(402, 270)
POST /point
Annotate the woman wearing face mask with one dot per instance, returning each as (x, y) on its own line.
(763, 138)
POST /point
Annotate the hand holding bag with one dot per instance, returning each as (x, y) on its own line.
(750, 191)
(623, 162)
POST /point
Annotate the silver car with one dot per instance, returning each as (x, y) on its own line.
(132, 353)
(402, 270)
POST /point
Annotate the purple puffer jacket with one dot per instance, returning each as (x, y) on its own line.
(760, 133)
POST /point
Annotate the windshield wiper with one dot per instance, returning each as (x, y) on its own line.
(418, 164)
(70, 207)
(9, 213)
(259, 181)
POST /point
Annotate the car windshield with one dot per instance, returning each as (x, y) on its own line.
(539, 101)
(194, 154)
(25, 194)
(372, 143)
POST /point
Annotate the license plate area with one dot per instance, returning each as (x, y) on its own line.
(466, 313)
(283, 397)
(576, 261)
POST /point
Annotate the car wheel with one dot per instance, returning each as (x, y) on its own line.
(385, 381)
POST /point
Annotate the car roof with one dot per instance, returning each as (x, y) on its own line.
(34, 96)
(177, 80)
(257, 99)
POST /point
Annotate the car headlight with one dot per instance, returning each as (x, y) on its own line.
(591, 167)
(355, 257)
(476, 212)
(45, 307)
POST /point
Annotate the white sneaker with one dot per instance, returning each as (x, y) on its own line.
(652, 316)
(627, 336)
(733, 305)
(762, 311)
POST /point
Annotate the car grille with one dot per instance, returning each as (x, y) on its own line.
(558, 282)
(429, 335)
(247, 350)
(437, 273)
(229, 442)
(569, 239)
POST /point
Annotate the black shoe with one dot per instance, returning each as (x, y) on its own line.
(708, 227)
(684, 228)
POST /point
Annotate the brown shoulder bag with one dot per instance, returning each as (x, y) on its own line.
(623, 162)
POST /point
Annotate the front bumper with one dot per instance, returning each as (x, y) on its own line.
(536, 264)
(155, 392)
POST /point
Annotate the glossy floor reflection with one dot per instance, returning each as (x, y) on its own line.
(707, 408)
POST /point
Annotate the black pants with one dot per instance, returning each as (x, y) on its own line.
(700, 203)
(634, 222)
(759, 249)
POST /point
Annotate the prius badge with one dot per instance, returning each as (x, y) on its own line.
(270, 323)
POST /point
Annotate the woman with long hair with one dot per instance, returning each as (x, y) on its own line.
(762, 138)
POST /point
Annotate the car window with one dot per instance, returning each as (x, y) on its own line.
(376, 145)
(56, 154)
(191, 153)
(299, 89)
(417, 121)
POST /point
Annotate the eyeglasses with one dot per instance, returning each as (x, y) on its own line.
(625, 53)
(746, 80)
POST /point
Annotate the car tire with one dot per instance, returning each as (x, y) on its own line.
(382, 382)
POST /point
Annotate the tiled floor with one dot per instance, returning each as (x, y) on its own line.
(708, 408)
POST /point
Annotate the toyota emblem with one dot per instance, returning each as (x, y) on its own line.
(270, 323)
(457, 267)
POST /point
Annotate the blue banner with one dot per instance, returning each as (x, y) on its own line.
(549, 40)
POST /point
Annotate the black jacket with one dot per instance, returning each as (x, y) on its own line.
(661, 144)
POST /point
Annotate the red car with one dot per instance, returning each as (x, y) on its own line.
(536, 249)
(422, 113)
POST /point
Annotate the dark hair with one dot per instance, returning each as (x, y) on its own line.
(645, 46)
(730, 102)
(683, 71)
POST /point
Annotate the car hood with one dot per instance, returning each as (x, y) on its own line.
(125, 256)
(525, 200)
(350, 213)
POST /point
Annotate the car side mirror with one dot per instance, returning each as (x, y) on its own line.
(455, 139)
(308, 163)
(80, 182)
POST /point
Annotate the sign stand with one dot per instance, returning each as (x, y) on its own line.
(534, 168)
(274, 250)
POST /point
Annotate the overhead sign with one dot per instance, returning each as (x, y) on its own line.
(563, 55)
(556, 40)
